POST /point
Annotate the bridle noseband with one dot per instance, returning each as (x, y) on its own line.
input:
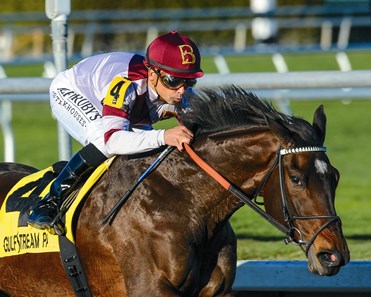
(288, 230)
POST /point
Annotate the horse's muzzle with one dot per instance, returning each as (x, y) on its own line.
(327, 263)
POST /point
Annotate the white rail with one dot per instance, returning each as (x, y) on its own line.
(253, 81)
(291, 80)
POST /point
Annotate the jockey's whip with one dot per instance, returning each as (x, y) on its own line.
(114, 211)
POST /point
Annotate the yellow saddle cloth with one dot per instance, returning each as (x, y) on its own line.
(16, 236)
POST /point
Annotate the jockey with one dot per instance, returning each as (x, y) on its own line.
(109, 102)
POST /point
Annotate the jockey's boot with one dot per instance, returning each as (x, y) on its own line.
(44, 215)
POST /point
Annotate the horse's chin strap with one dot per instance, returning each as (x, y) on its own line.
(248, 199)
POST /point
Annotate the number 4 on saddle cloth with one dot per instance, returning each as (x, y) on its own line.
(16, 236)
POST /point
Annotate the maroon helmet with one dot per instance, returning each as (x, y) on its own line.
(176, 55)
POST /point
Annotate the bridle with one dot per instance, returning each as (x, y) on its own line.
(289, 230)
(289, 219)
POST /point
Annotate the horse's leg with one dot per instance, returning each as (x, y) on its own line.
(224, 271)
(99, 261)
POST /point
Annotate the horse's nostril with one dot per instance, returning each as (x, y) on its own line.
(329, 259)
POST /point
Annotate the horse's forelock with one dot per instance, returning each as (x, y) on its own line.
(210, 110)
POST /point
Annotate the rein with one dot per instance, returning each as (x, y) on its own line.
(115, 210)
(249, 199)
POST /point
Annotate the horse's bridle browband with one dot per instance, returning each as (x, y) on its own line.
(303, 149)
(289, 230)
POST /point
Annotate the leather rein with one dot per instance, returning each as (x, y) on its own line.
(288, 230)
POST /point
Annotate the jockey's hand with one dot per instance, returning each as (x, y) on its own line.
(177, 136)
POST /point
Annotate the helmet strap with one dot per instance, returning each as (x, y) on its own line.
(158, 77)
(155, 85)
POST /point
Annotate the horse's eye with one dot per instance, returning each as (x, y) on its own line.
(295, 180)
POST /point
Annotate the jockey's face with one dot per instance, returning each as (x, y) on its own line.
(158, 81)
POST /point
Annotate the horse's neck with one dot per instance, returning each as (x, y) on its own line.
(242, 160)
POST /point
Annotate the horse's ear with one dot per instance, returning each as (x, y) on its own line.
(319, 124)
(282, 133)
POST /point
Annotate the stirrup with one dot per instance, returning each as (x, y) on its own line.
(57, 225)
(57, 228)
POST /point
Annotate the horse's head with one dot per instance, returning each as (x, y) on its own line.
(308, 182)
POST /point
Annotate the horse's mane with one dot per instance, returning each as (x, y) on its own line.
(230, 107)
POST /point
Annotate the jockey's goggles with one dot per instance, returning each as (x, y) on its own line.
(173, 83)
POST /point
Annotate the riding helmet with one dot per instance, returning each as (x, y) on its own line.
(176, 55)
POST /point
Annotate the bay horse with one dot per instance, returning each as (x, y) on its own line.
(173, 237)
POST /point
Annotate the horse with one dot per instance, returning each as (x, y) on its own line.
(172, 237)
